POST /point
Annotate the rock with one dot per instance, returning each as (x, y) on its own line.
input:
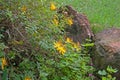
(80, 30)
(107, 50)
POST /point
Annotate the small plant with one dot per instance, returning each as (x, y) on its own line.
(107, 74)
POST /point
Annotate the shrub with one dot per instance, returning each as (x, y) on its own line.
(36, 45)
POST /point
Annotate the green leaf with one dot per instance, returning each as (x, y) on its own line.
(1, 53)
(111, 70)
(88, 45)
(5, 76)
(104, 78)
(114, 78)
(102, 72)
(44, 78)
(65, 78)
(2, 46)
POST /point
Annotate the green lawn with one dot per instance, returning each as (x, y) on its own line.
(101, 13)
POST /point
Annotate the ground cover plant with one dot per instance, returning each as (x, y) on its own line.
(33, 45)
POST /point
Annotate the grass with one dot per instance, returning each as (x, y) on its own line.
(101, 13)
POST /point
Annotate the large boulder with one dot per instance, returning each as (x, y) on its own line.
(80, 30)
(107, 50)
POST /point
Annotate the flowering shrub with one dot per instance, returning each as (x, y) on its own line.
(49, 55)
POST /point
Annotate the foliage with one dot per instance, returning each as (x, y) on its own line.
(35, 47)
(107, 74)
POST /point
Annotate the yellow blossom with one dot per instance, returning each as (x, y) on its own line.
(57, 44)
(70, 21)
(76, 46)
(55, 21)
(60, 47)
(68, 40)
(4, 63)
(52, 7)
(61, 50)
(24, 8)
(28, 78)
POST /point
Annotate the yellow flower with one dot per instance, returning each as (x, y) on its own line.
(57, 44)
(60, 47)
(76, 46)
(24, 8)
(52, 7)
(28, 78)
(61, 50)
(4, 63)
(70, 21)
(68, 40)
(55, 21)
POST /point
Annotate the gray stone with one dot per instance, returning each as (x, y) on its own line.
(107, 50)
